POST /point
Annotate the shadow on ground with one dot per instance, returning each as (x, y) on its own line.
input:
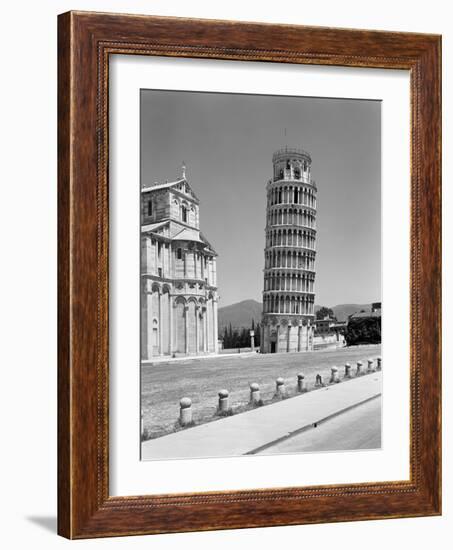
(48, 523)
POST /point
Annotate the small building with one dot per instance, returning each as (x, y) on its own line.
(325, 326)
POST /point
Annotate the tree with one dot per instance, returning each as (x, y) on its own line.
(226, 339)
(324, 312)
(363, 330)
(257, 335)
(234, 338)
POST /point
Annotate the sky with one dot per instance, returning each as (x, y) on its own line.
(227, 142)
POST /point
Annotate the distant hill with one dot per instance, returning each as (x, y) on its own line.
(342, 311)
(241, 314)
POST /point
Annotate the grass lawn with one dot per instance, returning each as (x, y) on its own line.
(163, 384)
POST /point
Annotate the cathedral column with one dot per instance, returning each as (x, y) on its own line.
(205, 330)
(197, 335)
(213, 282)
(186, 328)
(299, 337)
(288, 341)
(208, 324)
(147, 322)
(170, 325)
(216, 337)
(161, 332)
(277, 346)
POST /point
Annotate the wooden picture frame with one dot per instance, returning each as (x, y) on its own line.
(85, 42)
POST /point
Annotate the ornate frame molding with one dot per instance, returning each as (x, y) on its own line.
(86, 41)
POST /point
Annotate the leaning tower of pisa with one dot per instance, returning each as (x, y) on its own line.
(289, 268)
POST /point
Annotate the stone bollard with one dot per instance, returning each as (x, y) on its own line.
(224, 401)
(370, 365)
(379, 365)
(334, 375)
(280, 387)
(359, 368)
(318, 382)
(301, 384)
(255, 398)
(185, 411)
(347, 370)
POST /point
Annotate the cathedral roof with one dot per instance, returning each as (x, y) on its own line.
(187, 234)
(161, 185)
(167, 185)
(154, 226)
(178, 232)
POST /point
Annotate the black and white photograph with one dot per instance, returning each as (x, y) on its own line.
(260, 276)
(226, 259)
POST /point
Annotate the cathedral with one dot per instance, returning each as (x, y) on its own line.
(178, 274)
(289, 257)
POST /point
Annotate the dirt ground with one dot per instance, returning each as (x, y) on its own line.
(163, 384)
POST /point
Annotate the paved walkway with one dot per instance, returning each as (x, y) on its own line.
(253, 431)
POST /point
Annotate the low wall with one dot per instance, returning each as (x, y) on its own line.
(328, 341)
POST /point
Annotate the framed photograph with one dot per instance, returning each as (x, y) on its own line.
(249, 275)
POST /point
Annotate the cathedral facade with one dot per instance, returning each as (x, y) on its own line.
(290, 250)
(178, 274)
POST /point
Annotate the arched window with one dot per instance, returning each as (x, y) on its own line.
(288, 305)
(150, 207)
(183, 213)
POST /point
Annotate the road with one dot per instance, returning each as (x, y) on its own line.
(357, 429)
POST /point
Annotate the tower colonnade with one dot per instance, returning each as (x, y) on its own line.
(291, 215)
(302, 238)
(289, 280)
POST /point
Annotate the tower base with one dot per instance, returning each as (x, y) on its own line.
(283, 334)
